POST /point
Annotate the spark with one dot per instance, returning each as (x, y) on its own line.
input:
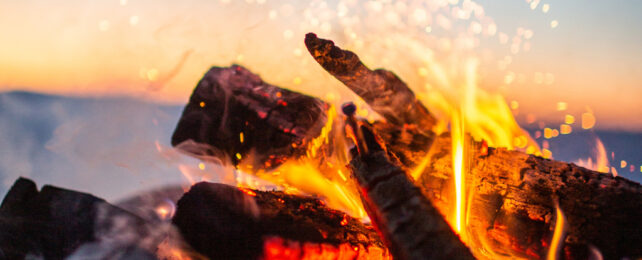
(152, 74)
(548, 133)
(554, 24)
(561, 106)
(201, 166)
(103, 25)
(297, 80)
(133, 20)
(546, 8)
(622, 164)
(569, 119)
(588, 120)
(547, 153)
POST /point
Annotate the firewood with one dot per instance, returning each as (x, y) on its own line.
(53, 223)
(410, 225)
(514, 196)
(236, 113)
(384, 92)
(515, 192)
(225, 222)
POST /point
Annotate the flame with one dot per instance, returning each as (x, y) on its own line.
(558, 235)
(601, 162)
(458, 136)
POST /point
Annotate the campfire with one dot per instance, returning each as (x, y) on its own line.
(299, 178)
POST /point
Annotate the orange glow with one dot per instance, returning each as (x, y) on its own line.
(558, 236)
(248, 191)
(275, 248)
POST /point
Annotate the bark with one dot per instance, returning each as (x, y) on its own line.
(514, 195)
(411, 226)
(224, 222)
(274, 122)
(384, 92)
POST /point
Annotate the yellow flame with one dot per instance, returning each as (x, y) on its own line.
(558, 235)
(304, 177)
(458, 136)
(323, 138)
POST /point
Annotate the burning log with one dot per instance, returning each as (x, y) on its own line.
(234, 111)
(411, 226)
(512, 195)
(53, 223)
(384, 92)
(224, 222)
(515, 193)
(513, 201)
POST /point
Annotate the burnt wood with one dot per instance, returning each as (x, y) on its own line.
(53, 223)
(384, 92)
(224, 222)
(411, 226)
(276, 123)
(514, 196)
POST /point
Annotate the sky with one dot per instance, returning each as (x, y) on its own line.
(534, 53)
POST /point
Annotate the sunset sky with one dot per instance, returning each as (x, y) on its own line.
(536, 53)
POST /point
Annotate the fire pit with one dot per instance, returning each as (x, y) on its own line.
(315, 183)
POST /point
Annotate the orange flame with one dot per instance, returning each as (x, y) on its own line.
(558, 235)
(601, 162)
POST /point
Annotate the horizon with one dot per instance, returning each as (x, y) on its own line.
(159, 50)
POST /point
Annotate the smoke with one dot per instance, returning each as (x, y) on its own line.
(104, 146)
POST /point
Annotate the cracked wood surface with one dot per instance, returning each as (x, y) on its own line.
(384, 92)
(514, 196)
(225, 222)
(407, 221)
(275, 122)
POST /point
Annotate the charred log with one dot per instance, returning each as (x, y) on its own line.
(514, 196)
(235, 112)
(224, 222)
(384, 92)
(53, 223)
(411, 226)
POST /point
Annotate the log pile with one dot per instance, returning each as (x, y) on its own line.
(233, 113)
(515, 193)
(513, 206)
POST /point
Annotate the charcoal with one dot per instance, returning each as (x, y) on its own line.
(276, 123)
(224, 222)
(53, 222)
